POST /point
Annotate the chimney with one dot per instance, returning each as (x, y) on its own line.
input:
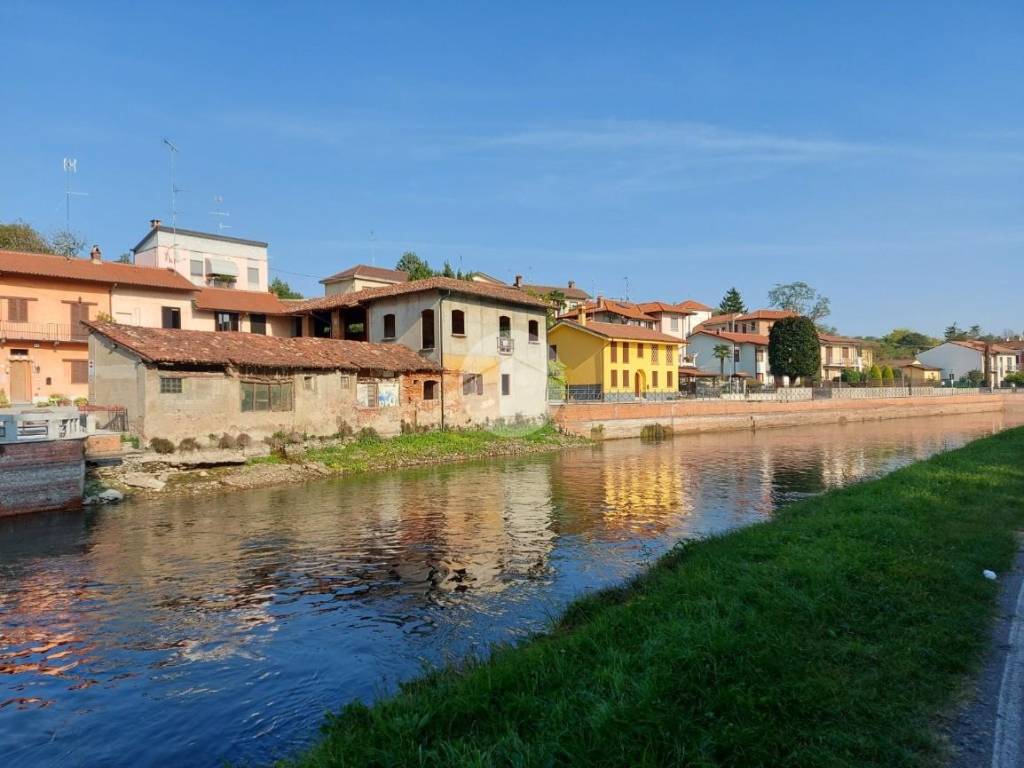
(95, 256)
(154, 223)
(519, 281)
(600, 303)
(572, 284)
(582, 318)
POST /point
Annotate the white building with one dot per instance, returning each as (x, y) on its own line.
(748, 354)
(958, 358)
(362, 276)
(205, 259)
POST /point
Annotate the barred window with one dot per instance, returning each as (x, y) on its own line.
(654, 353)
(668, 355)
(170, 385)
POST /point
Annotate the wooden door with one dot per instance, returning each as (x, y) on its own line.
(21, 381)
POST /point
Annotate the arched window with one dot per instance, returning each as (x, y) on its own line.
(534, 331)
(458, 322)
(427, 328)
(389, 326)
(505, 326)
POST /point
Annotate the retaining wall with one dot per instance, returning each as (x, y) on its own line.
(41, 476)
(694, 416)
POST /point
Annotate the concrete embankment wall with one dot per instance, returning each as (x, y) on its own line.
(43, 476)
(694, 416)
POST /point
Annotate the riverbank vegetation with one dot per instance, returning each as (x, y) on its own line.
(835, 634)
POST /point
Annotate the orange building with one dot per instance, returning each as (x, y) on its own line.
(43, 300)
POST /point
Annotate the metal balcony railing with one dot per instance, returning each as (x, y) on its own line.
(42, 331)
(505, 345)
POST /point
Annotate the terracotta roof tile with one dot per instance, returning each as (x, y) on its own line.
(233, 300)
(980, 346)
(376, 273)
(623, 308)
(569, 292)
(693, 306)
(108, 272)
(210, 348)
(736, 338)
(619, 331)
(767, 314)
(466, 287)
(661, 306)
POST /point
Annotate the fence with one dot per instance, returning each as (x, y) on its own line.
(37, 425)
(110, 418)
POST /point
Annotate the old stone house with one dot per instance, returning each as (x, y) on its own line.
(178, 383)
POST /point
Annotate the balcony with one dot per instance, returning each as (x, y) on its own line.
(843, 362)
(43, 331)
(505, 345)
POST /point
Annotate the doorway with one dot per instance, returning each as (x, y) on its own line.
(21, 381)
(639, 384)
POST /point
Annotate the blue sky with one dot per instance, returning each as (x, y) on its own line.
(874, 150)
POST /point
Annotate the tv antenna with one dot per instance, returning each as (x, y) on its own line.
(625, 280)
(173, 151)
(373, 248)
(70, 168)
(218, 202)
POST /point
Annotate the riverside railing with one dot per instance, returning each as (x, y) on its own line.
(42, 424)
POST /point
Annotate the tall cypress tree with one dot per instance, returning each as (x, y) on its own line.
(732, 302)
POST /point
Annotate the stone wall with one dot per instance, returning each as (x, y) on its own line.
(693, 416)
(40, 477)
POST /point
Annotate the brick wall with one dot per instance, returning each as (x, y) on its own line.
(39, 477)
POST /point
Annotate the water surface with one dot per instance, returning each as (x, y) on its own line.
(187, 632)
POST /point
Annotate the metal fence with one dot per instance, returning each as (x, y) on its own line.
(110, 418)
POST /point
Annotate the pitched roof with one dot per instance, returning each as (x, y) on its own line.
(767, 314)
(374, 273)
(210, 348)
(569, 291)
(693, 306)
(234, 300)
(195, 233)
(661, 306)
(736, 338)
(980, 346)
(107, 272)
(620, 331)
(623, 308)
(831, 338)
(908, 362)
(465, 287)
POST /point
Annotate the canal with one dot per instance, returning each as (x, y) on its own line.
(190, 632)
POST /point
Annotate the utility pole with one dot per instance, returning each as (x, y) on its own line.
(174, 203)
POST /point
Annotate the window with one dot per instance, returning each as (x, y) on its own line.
(675, 323)
(668, 379)
(458, 322)
(346, 381)
(506, 384)
(654, 379)
(19, 353)
(17, 310)
(226, 321)
(625, 377)
(368, 394)
(266, 396)
(736, 354)
(615, 378)
(639, 351)
(389, 326)
(254, 277)
(668, 355)
(533, 331)
(625, 352)
(79, 313)
(427, 328)
(170, 385)
(79, 371)
(552, 352)
(654, 353)
(309, 383)
(170, 317)
(258, 324)
(297, 323)
(472, 384)
(505, 326)
(615, 351)
(429, 390)
(195, 267)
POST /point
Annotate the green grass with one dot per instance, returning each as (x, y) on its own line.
(374, 453)
(835, 635)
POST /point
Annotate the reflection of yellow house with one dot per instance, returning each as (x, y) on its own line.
(615, 362)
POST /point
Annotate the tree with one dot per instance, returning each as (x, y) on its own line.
(722, 351)
(800, 298)
(875, 375)
(732, 302)
(283, 290)
(888, 377)
(125, 258)
(973, 378)
(67, 243)
(446, 270)
(414, 266)
(850, 376)
(793, 348)
(19, 236)
(954, 333)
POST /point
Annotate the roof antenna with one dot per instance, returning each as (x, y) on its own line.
(218, 201)
(70, 167)
(373, 249)
(174, 202)
(626, 281)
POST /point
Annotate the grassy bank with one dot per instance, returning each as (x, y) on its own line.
(833, 636)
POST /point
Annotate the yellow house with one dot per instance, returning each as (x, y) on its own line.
(611, 361)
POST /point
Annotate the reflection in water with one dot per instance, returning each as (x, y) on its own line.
(186, 631)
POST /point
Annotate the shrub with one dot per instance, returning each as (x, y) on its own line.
(161, 445)
(851, 376)
(227, 441)
(344, 429)
(80, 401)
(888, 377)
(655, 432)
(407, 428)
(133, 440)
(368, 434)
(875, 376)
(188, 444)
(1016, 378)
(243, 440)
(597, 432)
(4, 402)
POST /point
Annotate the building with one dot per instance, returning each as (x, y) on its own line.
(842, 352)
(696, 313)
(747, 354)
(615, 361)
(205, 259)
(602, 310)
(1017, 345)
(178, 384)
(360, 277)
(914, 372)
(958, 358)
(225, 309)
(494, 336)
(563, 297)
(668, 318)
(43, 301)
(759, 322)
